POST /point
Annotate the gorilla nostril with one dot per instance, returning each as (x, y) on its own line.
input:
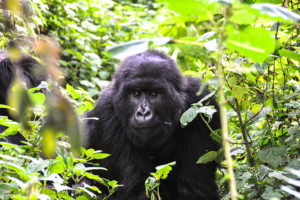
(143, 115)
(148, 115)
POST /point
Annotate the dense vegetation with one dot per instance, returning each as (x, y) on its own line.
(247, 51)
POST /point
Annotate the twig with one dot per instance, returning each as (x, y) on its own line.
(244, 133)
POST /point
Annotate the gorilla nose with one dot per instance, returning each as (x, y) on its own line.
(143, 115)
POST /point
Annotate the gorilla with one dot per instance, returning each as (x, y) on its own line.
(139, 125)
(28, 67)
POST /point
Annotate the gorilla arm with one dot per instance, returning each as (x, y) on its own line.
(197, 181)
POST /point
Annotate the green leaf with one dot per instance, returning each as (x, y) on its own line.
(208, 157)
(272, 155)
(73, 92)
(59, 187)
(199, 103)
(262, 114)
(48, 141)
(37, 98)
(5, 106)
(13, 167)
(58, 167)
(276, 12)
(188, 116)
(89, 152)
(92, 176)
(100, 155)
(263, 171)
(79, 169)
(162, 171)
(38, 165)
(91, 194)
(206, 36)
(271, 193)
(242, 17)
(208, 111)
(289, 54)
(94, 188)
(238, 92)
(256, 108)
(248, 42)
(126, 49)
(191, 7)
(50, 193)
(294, 129)
(113, 184)
(5, 188)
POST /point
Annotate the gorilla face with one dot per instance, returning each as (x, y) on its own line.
(148, 104)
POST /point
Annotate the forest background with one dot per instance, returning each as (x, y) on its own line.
(248, 50)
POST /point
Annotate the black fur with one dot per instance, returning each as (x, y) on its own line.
(132, 159)
(28, 67)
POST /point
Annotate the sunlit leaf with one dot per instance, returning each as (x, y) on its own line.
(37, 98)
(242, 17)
(191, 7)
(59, 187)
(49, 141)
(248, 42)
(238, 92)
(162, 171)
(256, 108)
(289, 54)
(92, 176)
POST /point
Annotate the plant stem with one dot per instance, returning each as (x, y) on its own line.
(244, 133)
(223, 111)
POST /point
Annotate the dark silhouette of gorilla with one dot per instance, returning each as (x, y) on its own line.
(27, 66)
(139, 126)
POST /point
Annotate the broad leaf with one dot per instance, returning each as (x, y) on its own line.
(208, 157)
(162, 171)
(262, 113)
(271, 193)
(126, 49)
(208, 111)
(289, 54)
(191, 7)
(238, 92)
(274, 156)
(277, 12)
(254, 43)
(188, 116)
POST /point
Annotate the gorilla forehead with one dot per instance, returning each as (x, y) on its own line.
(144, 84)
(150, 65)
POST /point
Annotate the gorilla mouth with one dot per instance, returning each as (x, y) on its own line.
(145, 130)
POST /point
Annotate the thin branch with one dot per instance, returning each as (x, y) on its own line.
(244, 133)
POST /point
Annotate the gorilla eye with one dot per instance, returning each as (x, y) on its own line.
(136, 93)
(153, 93)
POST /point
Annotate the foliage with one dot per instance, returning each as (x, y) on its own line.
(255, 44)
(257, 47)
(152, 183)
(29, 173)
(84, 29)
